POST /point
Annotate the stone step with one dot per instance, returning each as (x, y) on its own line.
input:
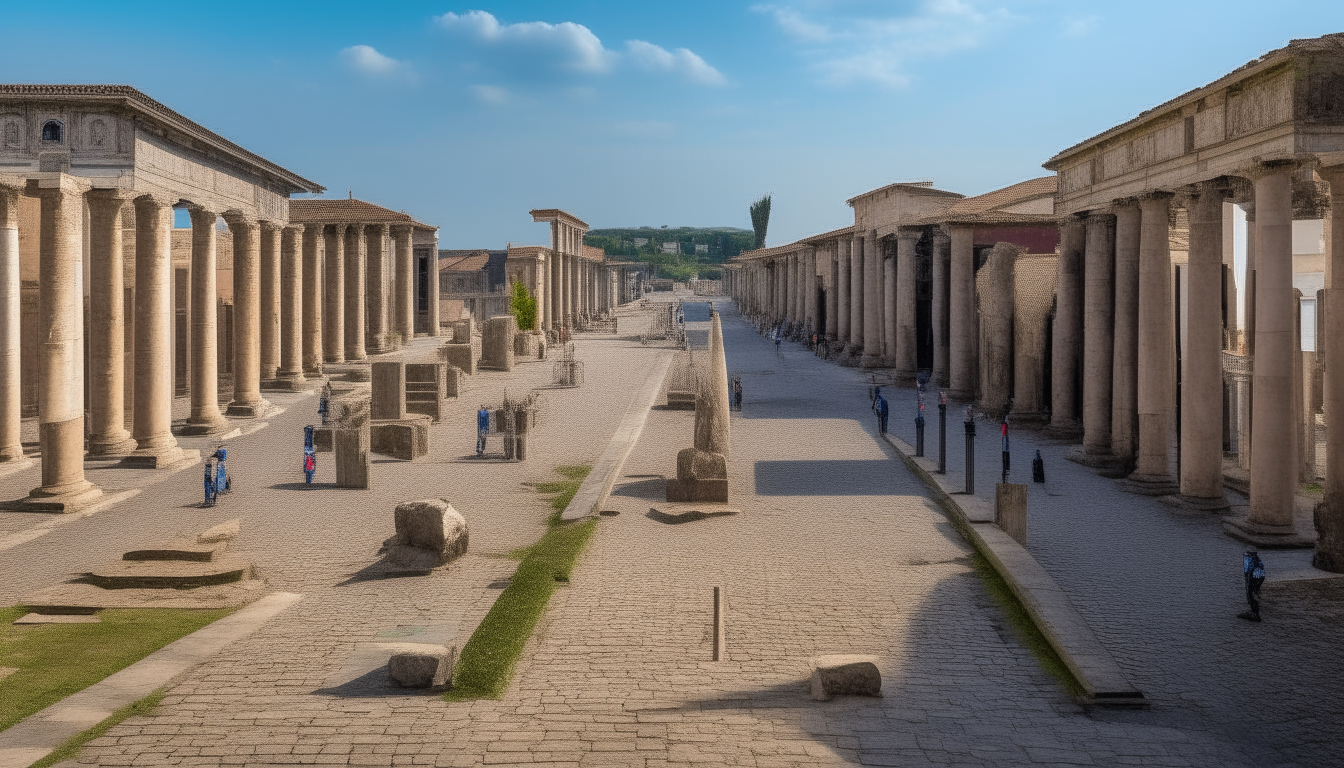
(171, 574)
(178, 549)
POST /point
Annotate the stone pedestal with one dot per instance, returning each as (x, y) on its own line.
(406, 438)
(352, 457)
(701, 477)
(1010, 510)
(387, 398)
(497, 343)
(459, 356)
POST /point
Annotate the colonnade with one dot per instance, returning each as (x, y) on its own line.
(576, 287)
(300, 294)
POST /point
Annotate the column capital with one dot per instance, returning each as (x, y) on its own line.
(270, 226)
(238, 220)
(57, 184)
(941, 239)
(294, 229)
(154, 199)
(379, 227)
(402, 229)
(1262, 168)
(905, 234)
(196, 211)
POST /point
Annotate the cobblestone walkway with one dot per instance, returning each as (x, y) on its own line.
(837, 549)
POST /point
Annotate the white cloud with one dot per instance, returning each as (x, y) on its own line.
(682, 61)
(533, 49)
(849, 50)
(574, 45)
(366, 59)
(491, 94)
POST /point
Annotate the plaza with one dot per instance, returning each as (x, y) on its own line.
(1178, 391)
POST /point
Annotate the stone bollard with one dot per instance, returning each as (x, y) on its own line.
(845, 674)
(423, 666)
(1010, 510)
(352, 457)
(432, 527)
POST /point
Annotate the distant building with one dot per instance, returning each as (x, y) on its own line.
(641, 241)
(701, 248)
(672, 247)
(471, 284)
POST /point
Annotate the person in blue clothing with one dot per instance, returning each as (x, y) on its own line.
(880, 408)
(482, 429)
(1253, 570)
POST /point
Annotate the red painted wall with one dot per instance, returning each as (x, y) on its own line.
(1036, 238)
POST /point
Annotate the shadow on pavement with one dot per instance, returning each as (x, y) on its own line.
(824, 478)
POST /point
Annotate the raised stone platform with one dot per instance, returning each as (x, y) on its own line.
(171, 574)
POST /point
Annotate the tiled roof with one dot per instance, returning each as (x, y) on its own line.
(546, 214)
(348, 210)
(914, 187)
(797, 245)
(133, 99)
(594, 253)
(471, 261)
(834, 233)
(988, 208)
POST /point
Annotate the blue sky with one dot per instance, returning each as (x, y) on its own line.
(630, 114)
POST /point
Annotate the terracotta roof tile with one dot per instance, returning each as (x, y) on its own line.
(348, 210)
(988, 208)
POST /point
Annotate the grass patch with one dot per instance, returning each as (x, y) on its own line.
(56, 660)
(1026, 630)
(486, 663)
(70, 749)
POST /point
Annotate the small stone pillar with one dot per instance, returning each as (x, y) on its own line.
(387, 396)
(1010, 510)
(497, 342)
(352, 456)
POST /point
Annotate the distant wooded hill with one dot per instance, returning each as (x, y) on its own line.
(716, 243)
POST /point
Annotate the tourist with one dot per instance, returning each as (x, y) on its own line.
(1253, 570)
(482, 429)
(737, 394)
(880, 408)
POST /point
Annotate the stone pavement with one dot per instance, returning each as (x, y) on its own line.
(837, 549)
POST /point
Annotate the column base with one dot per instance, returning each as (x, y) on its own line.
(291, 382)
(215, 426)
(1064, 430)
(312, 371)
(1196, 504)
(61, 499)
(334, 359)
(1150, 485)
(11, 453)
(376, 349)
(360, 373)
(160, 458)
(254, 410)
(1267, 536)
(111, 445)
(1329, 526)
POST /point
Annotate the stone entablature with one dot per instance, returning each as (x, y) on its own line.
(118, 138)
(1283, 106)
(898, 203)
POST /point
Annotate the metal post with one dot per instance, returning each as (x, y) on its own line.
(942, 433)
(970, 450)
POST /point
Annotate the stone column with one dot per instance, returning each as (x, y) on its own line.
(843, 293)
(554, 319)
(290, 372)
(434, 310)
(905, 341)
(1329, 514)
(334, 309)
(247, 401)
(889, 311)
(1157, 350)
(1064, 357)
(543, 268)
(376, 291)
(355, 280)
(61, 351)
(831, 266)
(1202, 357)
(961, 312)
(11, 404)
(270, 300)
(313, 273)
(1125, 368)
(996, 318)
(1098, 333)
(152, 420)
(1273, 445)
(205, 417)
(942, 248)
(405, 325)
(810, 292)
(107, 328)
(857, 339)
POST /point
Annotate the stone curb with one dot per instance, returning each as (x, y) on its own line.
(37, 735)
(1104, 683)
(597, 486)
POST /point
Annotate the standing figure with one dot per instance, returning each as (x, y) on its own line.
(880, 408)
(210, 494)
(324, 402)
(482, 429)
(309, 455)
(1254, 573)
(737, 394)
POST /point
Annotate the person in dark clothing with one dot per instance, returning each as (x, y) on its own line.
(737, 394)
(1253, 570)
(482, 429)
(880, 407)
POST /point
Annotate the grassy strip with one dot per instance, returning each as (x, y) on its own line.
(70, 749)
(486, 664)
(56, 660)
(1026, 630)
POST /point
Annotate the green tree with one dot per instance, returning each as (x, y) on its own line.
(523, 306)
(760, 219)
